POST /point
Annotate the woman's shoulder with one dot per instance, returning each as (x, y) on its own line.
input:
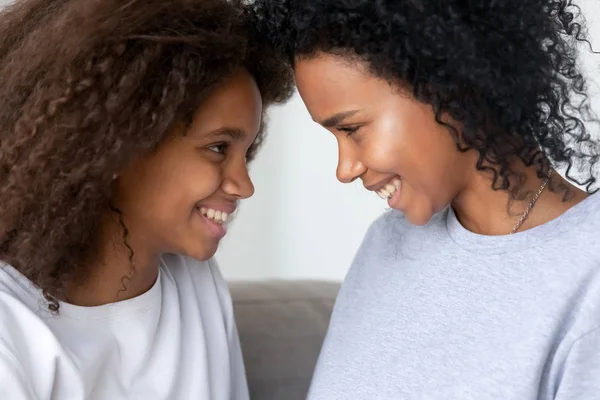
(392, 226)
(391, 222)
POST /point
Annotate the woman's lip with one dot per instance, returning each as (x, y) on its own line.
(395, 197)
(389, 188)
(381, 184)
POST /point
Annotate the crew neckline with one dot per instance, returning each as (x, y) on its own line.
(115, 310)
(523, 240)
(106, 311)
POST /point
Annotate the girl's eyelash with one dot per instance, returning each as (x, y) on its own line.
(219, 148)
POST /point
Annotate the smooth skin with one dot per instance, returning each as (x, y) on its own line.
(384, 133)
(160, 194)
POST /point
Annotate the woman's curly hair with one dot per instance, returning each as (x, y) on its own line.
(506, 71)
(86, 86)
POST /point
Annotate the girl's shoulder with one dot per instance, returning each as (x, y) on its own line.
(198, 281)
(186, 269)
(19, 307)
(30, 353)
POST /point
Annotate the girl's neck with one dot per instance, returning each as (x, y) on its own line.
(492, 212)
(112, 282)
(115, 274)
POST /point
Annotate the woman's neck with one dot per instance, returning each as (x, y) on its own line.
(485, 211)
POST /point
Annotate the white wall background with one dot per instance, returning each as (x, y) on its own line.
(302, 223)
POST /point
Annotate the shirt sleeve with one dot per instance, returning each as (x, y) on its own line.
(581, 372)
(239, 384)
(13, 381)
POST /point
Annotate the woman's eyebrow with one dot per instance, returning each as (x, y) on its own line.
(337, 118)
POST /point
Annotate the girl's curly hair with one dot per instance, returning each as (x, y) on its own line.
(506, 71)
(86, 86)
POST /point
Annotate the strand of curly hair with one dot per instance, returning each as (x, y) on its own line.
(507, 72)
(89, 85)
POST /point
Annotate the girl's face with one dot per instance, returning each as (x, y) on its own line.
(385, 137)
(178, 198)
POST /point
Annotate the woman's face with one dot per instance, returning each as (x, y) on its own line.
(178, 198)
(385, 137)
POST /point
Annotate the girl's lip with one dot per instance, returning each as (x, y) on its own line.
(214, 228)
(229, 208)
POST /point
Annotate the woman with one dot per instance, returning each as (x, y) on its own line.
(127, 128)
(483, 281)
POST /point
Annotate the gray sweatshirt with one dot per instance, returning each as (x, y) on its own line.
(438, 312)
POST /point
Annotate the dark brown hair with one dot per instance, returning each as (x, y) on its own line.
(86, 86)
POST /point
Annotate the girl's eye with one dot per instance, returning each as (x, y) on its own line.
(251, 153)
(349, 129)
(220, 148)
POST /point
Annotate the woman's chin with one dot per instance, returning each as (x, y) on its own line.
(418, 215)
(418, 219)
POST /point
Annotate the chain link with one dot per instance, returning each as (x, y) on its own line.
(531, 204)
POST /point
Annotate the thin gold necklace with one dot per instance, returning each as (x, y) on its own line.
(531, 204)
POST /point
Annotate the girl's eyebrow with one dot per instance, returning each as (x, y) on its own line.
(233, 133)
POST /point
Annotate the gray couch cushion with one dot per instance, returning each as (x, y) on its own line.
(281, 325)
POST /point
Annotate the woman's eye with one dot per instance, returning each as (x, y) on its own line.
(219, 148)
(349, 129)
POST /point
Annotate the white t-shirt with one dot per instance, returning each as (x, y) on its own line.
(177, 341)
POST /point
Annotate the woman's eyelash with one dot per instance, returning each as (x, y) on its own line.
(349, 129)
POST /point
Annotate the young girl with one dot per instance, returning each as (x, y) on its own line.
(126, 130)
(485, 283)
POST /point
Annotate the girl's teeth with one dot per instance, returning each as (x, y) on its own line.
(215, 215)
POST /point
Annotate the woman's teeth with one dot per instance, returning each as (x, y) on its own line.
(219, 217)
(388, 190)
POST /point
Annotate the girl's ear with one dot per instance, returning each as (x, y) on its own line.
(115, 176)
